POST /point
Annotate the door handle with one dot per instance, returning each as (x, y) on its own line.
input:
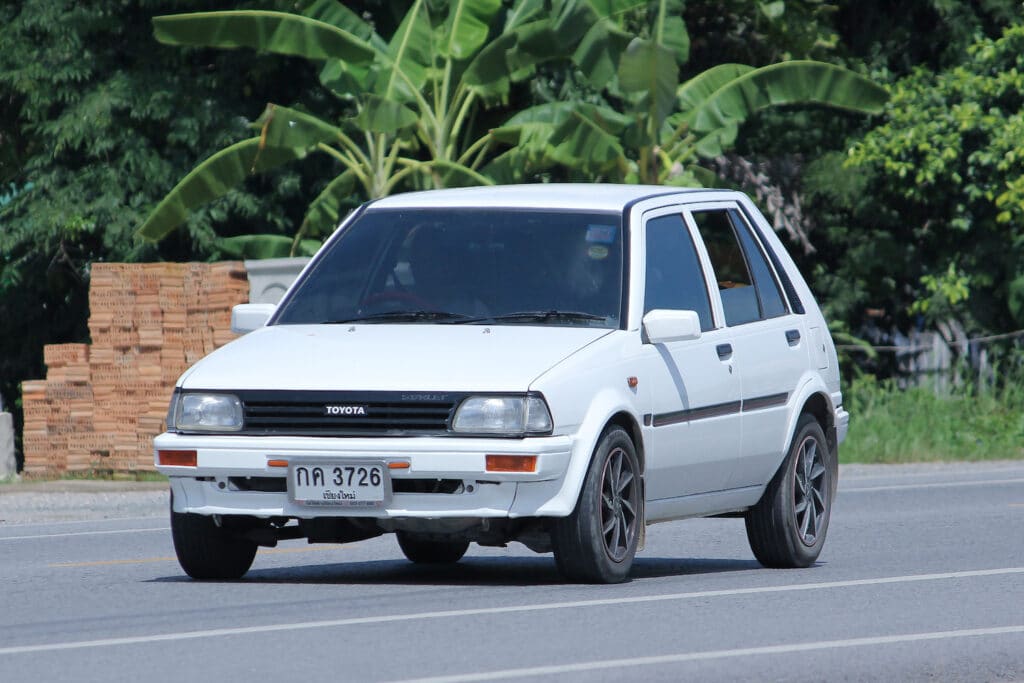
(724, 351)
(793, 337)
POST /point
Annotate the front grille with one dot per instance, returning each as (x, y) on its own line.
(330, 413)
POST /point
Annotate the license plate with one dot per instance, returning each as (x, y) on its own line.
(350, 484)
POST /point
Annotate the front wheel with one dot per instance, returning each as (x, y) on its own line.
(597, 542)
(423, 551)
(208, 551)
(787, 526)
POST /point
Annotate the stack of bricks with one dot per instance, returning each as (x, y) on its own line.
(58, 408)
(101, 405)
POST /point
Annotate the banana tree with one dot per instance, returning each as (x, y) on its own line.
(410, 99)
(660, 129)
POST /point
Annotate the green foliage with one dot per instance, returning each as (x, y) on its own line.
(889, 424)
(410, 99)
(104, 122)
(759, 33)
(98, 122)
(933, 34)
(945, 292)
(651, 129)
(948, 161)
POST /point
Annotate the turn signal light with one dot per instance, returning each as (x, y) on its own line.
(177, 458)
(511, 463)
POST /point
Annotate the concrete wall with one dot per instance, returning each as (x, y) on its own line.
(270, 278)
(8, 465)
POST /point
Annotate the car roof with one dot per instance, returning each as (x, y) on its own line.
(572, 196)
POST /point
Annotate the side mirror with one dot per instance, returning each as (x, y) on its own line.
(662, 326)
(248, 317)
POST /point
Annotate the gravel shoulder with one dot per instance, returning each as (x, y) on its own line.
(39, 502)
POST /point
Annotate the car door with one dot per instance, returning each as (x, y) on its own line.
(692, 430)
(769, 341)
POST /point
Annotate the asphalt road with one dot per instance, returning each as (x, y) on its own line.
(922, 578)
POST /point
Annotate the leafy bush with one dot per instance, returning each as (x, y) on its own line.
(888, 424)
(944, 176)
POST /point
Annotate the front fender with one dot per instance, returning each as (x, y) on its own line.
(603, 407)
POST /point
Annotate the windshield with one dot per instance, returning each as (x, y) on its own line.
(466, 266)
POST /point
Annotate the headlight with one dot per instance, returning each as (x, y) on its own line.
(205, 413)
(508, 415)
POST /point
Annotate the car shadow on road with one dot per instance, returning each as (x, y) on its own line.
(657, 567)
(472, 571)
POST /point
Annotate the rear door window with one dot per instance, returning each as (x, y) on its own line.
(746, 283)
(768, 291)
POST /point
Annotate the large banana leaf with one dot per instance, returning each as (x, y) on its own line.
(489, 73)
(713, 144)
(606, 9)
(511, 57)
(550, 116)
(341, 77)
(650, 68)
(675, 37)
(211, 179)
(698, 89)
(265, 246)
(599, 52)
(379, 115)
(288, 34)
(586, 141)
(287, 127)
(336, 14)
(323, 214)
(509, 167)
(522, 12)
(570, 133)
(467, 26)
(408, 56)
(797, 82)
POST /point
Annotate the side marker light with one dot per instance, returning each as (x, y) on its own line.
(511, 463)
(177, 458)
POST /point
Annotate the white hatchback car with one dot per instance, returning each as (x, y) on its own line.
(558, 365)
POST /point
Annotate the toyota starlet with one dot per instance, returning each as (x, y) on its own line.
(556, 365)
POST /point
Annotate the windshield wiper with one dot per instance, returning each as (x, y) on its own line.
(538, 316)
(402, 316)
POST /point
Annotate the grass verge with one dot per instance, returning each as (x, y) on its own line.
(890, 425)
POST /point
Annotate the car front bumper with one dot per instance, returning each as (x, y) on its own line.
(233, 474)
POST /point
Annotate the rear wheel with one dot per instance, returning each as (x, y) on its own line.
(597, 542)
(208, 551)
(787, 527)
(423, 551)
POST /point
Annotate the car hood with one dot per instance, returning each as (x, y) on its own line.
(385, 357)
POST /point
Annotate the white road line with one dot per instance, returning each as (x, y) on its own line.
(933, 485)
(83, 533)
(64, 522)
(512, 609)
(560, 669)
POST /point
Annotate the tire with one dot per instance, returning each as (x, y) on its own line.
(206, 551)
(787, 527)
(422, 551)
(597, 542)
